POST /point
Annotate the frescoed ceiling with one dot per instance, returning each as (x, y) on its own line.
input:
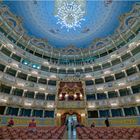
(101, 18)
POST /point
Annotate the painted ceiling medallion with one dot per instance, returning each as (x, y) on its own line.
(70, 14)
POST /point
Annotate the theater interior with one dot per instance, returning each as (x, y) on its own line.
(70, 69)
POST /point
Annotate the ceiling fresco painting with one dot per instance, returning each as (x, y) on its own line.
(62, 25)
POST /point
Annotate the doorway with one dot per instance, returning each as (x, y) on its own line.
(69, 116)
(71, 126)
(72, 120)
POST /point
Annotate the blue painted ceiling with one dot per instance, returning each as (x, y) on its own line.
(101, 20)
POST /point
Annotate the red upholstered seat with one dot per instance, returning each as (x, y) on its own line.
(23, 133)
(108, 133)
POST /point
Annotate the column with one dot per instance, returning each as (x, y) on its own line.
(94, 88)
(122, 37)
(113, 76)
(6, 68)
(34, 52)
(92, 68)
(35, 94)
(1, 46)
(21, 59)
(11, 55)
(23, 95)
(28, 76)
(19, 111)
(120, 59)
(118, 93)
(83, 69)
(10, 32)
(19, 39)
(130, 89)
(137, 69)
(110, 113)
(129, 51)
(125, 73)
(110, 63)
(46, 96)
(5, 110)
(47, 82)
(74, 70)
(66, 70)
(101, 66)
(123, 113)
(95, 96)
(37, 79)
(113, 43)
(27, 45)
(132, 31)
(1, 23)
(57, 71)
(43, 113)
(107, 94)
(137, 110)
(49, 68)
(106, 50)
(11, 90)
(103, 79)
(31, 113)
(98, 113)
(16, 74)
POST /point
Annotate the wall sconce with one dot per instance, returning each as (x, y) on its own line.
(58, 114)
(27, 104)
(75, 96)
(34, 72)
(60, 95)
(114, 104)
(138, 100)
(83, 115)
(66, 95)
(20, 84)
(91, 106)
(3, 100)
(81, 95)
(121, 84)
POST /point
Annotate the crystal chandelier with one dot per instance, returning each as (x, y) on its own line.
(70, 14)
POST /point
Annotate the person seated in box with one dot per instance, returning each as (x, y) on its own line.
(32, 126)
(11, 122)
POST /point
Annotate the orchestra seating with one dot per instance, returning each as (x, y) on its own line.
(49, 132)
(108, 133)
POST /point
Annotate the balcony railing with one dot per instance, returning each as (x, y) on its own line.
(71, 104)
